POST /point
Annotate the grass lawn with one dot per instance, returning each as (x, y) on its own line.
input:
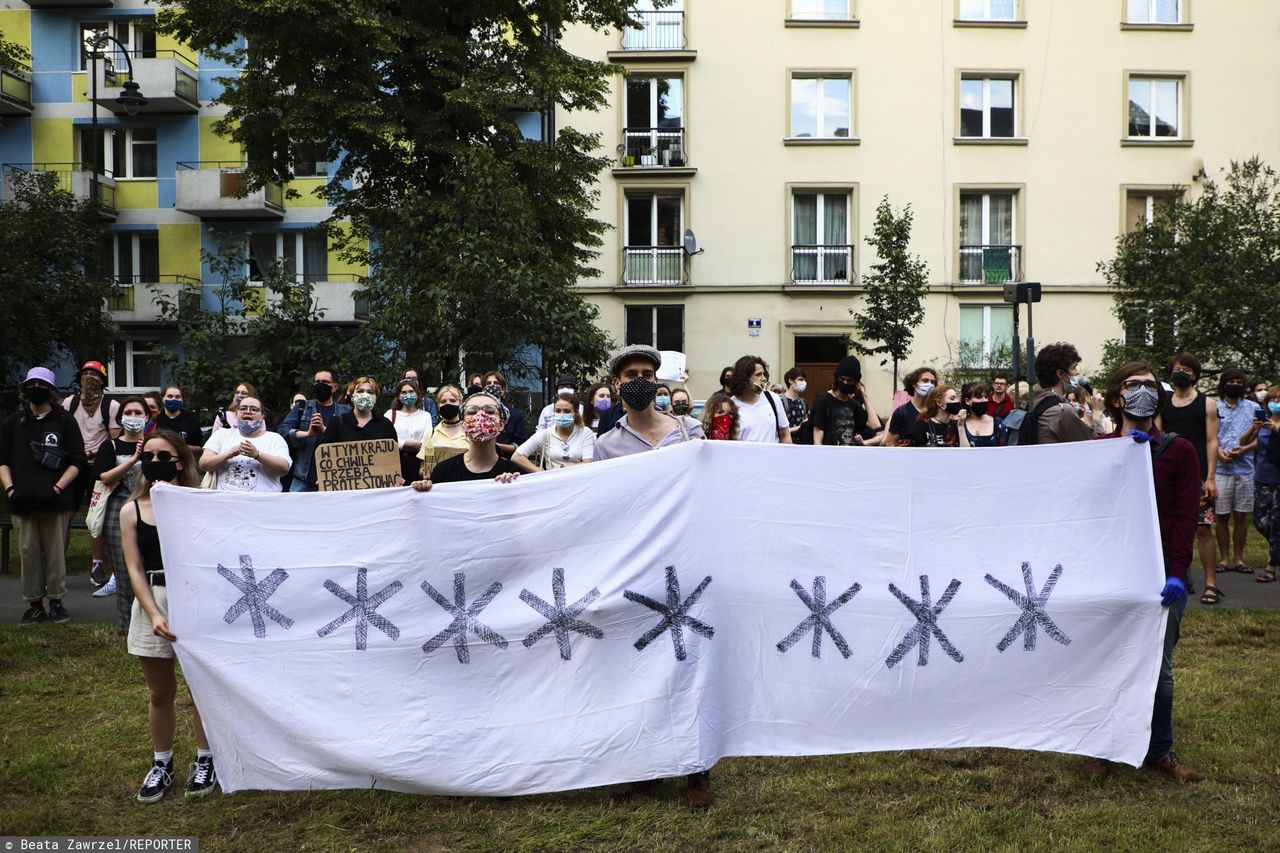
(73, 749)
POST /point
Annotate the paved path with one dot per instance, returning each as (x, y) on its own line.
(1240, 591)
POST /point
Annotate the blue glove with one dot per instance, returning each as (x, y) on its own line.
(1143, 437)
(1174, 589)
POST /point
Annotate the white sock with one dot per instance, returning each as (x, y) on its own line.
(164, 757)
(204, 753)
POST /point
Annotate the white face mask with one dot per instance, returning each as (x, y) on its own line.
(801, 385)
(1262, 396)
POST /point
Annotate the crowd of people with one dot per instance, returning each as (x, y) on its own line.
(1215, 463)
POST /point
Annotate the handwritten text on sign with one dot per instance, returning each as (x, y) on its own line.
(344, 466)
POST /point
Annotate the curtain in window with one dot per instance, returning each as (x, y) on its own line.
(835, 235)
(315, 257)
(971, 236)
(148, 257)
(1000, 230)
(262, 255)
(804, 234)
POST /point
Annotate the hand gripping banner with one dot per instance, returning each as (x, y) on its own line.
(647, 616)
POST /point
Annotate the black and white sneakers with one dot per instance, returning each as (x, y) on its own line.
(203, 778)
(158, 782)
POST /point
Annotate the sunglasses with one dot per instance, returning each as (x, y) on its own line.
(1134, 384)
(488, 410)
(158, 456)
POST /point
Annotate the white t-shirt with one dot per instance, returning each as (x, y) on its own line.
(758, 421)
(410, 427)
(580, 446)
(244, 473)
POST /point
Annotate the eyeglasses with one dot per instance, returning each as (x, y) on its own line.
(1134, 384)
(249, 410)
(158, 456)
(488, 410)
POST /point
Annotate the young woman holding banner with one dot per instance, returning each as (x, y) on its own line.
(165, 458)
(483, 421)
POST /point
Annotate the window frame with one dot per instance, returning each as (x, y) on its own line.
(1183, 24)
(652, 339)
(299, 274)
(294, 160)
(1184, 137)
(987, 340)
(1016, 78)
(849, 191)
(1017, 227)
(1018, 21)
(653, 74)
(135, 30)
(126, 384)
(849, 75)
(121, 137)
(850, 20)
(135, 256)
(1149, 191)
(674, 6)
(625, 193)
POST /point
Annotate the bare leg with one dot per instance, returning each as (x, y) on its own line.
(1241, 533)
(98, 547)
(201, 740)
(1208, 553)
(163, 686)
(1222, 529)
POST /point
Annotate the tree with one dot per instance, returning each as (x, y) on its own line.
(895, 290)
(415, 102)
(53, 295)
(1204, 277)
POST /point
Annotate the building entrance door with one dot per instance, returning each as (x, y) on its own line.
(817, 355)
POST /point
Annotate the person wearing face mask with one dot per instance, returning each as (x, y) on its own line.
(1189, 414)
(841, 415)
(165, 459)
(41, 454)
(797, 406)
(1234, 475)
(424, 399)
(482, 420)
(662, 402)
(566, 385)
(514, 432)
(979, 428)
(1260, 391)
(720, 418)
(1052, 419)
(919, 383)
(599, 403)
(1266, 481)
(175, 418)
(1135, 399)
(681, 402)
(359, 424)
(226, 417)
(98, 420)
(449, 438)
(413, 425)
(117, 467)
(567, 442)
(761, 416)
(249, 458)
(939, 422)
(305, 424)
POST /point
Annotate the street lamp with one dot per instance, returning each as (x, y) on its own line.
(131, 99)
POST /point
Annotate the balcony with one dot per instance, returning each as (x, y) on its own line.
(15, 91)
(338, 297)
(139, 300)
(653, 151)
(653, 266)
(168, 80)
(821, 263)
(660, 37)
(214, 189)
(990, 263)
(74, 178)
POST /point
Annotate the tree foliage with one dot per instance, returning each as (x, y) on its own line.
(1204, 277)
(894, 290)
(53, 295)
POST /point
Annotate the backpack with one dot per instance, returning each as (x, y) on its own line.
(104, 408)
(1021, 423)
(1158, 447)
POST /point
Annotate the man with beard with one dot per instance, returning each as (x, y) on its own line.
(306, 423)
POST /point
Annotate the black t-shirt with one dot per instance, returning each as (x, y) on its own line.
(345, 428)
(930, 433)
(112, 452)
(454, 470)
(185, 423)
(902, 418)
(1188, 422)
(840, 420)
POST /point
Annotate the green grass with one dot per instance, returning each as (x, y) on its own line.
(73, 749)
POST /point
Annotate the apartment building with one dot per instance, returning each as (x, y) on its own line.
(168, 183)
(1025, 134)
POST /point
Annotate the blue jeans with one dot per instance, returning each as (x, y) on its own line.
(1162, 713)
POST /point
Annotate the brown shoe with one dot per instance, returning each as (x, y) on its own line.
(700, 796)
(626, 790)
(1171, 766)
(1096, 768)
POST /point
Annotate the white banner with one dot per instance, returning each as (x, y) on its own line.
(647, 616)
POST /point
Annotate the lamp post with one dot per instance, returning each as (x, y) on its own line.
(131, 99)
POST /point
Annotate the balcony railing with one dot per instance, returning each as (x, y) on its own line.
(990, 263)
(216, 189)
(824, 263)
(653, 265)
(659, 30)
(654, 146)
(128, 289)
(15, 91)
(74, 178)
(169, 78)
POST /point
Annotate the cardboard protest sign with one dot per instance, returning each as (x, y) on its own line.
(349, 465)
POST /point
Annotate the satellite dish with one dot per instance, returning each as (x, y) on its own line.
(691, 243)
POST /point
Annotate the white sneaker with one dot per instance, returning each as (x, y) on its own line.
(108, 588)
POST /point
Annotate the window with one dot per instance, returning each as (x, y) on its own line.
(821, 10)
(985, 330)
(123, 152)
(821, 249)
(137, 364)
(1155, 107)
(133, 257)
(987, 226)
(1142, 206)
(654, 135)
(987, 108)
(820, 107)
(655, 230)
(658, 326)
(988, 10)
(310, 160)
(659, 29)
(301, 255)
(138, 36)
(1152, 12)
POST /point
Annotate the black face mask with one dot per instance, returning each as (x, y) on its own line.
(38, 395)
(322, 391)
(160, 472)
(979, 409)
(1181, 379)
(680, 408)
(847, 387)
(450, 411)
(1235, 392)
(638, 393)
(724, 380)
(954, 407)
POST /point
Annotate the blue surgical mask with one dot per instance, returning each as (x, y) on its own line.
(248, 427)
(662, 401)
(409, 400)
(1071, 382)
(563, 419)
(1273, 408)
(924, 389)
